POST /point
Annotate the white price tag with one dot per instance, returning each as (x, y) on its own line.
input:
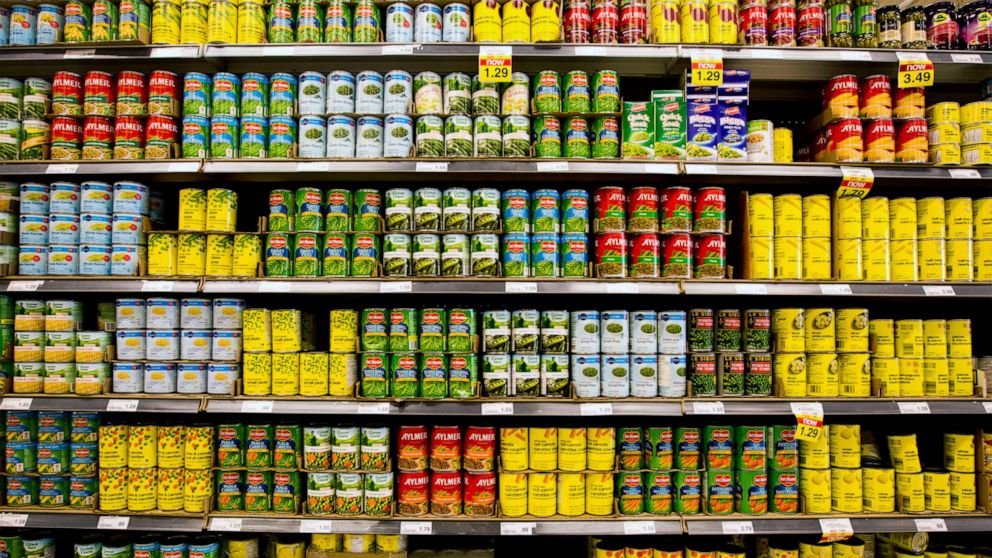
(315, 526)
(416, 528)
(518, 287)
(911, 56)
(708, 408)
(313, 166)
(79, 53)
(13, 519)
(766, 54)
(274, 286)
(553, 166)
(157, 286)
(115, 522)
(702, 169)
(396, 287)
(166, 52)
(595, 409)
(966, 58)
(931, 524)
(517, 528)
(855, 56)
(988, 407)
(15, 404)
(373, 408)
(913, 407)
(622, 288)
(432, 166)
(737, 528)
(835, 289)
(660, 168)
(278, 51)
(394, 50)
(62, 168)
(807, 409)
(182, 167)
(257, 406)
(497, 408)
(964, 173)
(122, 405)
(24, 286)
(229, 524)
(837, 527)
(750, 288)
(590, 51)
(938, 290)
(638, 528)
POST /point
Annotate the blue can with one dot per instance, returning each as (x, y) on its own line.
(574, 255)
(53, 458)
(48, 30)
(254, 95)
(516, 211)
(94, 259)
(21, 426)
(23, 22)
(545, 255)
(63, 259)
(546, 211)
(130, 197)
(282, 95)
(64, 197)
(225, 94)
(95, 197)
(4, 25)
(575, 211)
(63, 228)
(33, 229)
(95, 228)
(340, 92)
(516, 255)
(82, 491)
(197, 94)
(427, 28)
(196, 139)
(34, 198)
(174, 549)
(224, 136)
(53, 491)
(22, 491)
(282, 137)
(83, 458)
(126, 228)
(21, 457)
(124, 259)
(53, 426)
(203, 548)
(83, 427)
(456, 23)
(254, 137)
(399, 23)
(32, 260)
(146, 549)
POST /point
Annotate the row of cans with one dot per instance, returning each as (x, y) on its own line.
(82, 378)
(219, 255)
(427, 375)
(145, 446)
(732, 330)
(214, 209)
(186, 313)
(75, 22)
(30, 99)
(151, 489)
(326, 448)
(217, 378)
(51, 491)
(895, 377)
(412, 330)
(324, 493)
(174, 344)
(128, 93)
(85, 259)
(89, 197)
(61, 346)
(300, 373)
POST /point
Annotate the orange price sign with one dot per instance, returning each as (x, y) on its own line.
(706, 68)
(856, 181)
(495, 64)
(915, 70)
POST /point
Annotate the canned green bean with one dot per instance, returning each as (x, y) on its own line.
(403, 330)
(426, 255)
(547, 137)
(365, 255)
(426, 209)
(458, 136)
(516, 136)
(547, 92)
(455, 255)
(485, 97)
(396, 257)
(577, 138)
(485, 209)
(430, 136)
(455, 209)
(485, 255)
(488, 136)
(399, 209)
(457, 94)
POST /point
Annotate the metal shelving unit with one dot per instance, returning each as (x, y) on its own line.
(109, 403)
(803, 525)
(99, 285)
(90, 521)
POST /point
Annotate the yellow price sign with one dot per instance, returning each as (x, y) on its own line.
(915, 70)
(856, 181)
(495, 64)
(706, 68)
(809, 421)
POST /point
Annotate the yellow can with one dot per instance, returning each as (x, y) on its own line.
(220, 255)
(904, 453)
(513, 493)
(142, 446)
(813, 549)
(910, 492)
(760, 215)
(936, 380)
(788, 330)
(287, 332)
(194, 26)
(948, 132)
(487, 23)
(695, 29)
(885, 373)
(113, 446)
(294, 549)
(788, 215)
(909, 338)
(934, 338)
(846, 490)
(165, 22)
(665, 22)
(390, 543)
(959, 218)
(816, 454)
(196, 489)
(980, 132)
(256, 374)
(329, 542)
(723, 22)
(142, 489)
(192, 208)
(760, 250)
(959, 338)
(513, 449)
(285, 374)
(854, 372)
(571, 449)
(169, 483)
(882, 336)
(251, 23)
(198, 447)
(875, 218)
(789, 373)
(848, 264)
(930, 218)
(599, 493)
(816, 258)
(963, 491)
(958, 257)
(814, 490)
(875, 260)
(847, 217)
(931, 259)
(313, 374)
(545, 22)
(821, 375)
(542, 494)
(242, 547)
(845, 446)
(247, 255)
(851, 548)
(944, 153)
(542, 448)
(962, 376)
(959, 452)
(571, 494)
(978, 111)
(192, 253)
(902, 219)
(879, 487)
(222, 20)
(937, 491)
(516, 22)
(903, 258)
(976, 154)
(788, 257)
(820, 331)
(601, 449)
(939, 113)
(816, 215)
(342, 372)
(914, 543)
(983, 260)
(163, 254)
(852, 330)
(113, 488)
(911, 377)
(782, 144)
(779, 549)
(343, 331)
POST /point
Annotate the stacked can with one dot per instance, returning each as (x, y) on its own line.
(646, 482)
(937, 489)
(945, 133)
(729, 352)
(9, 204)
(6, 336)
(525, 353)
(976, 133)
(446, 471)
(848, 227)
(876, 248)
(533, 244)
(76, 22)
(25, 132)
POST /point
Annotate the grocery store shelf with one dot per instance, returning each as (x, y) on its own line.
(70, 519)
(168, 169)
(744, 406)
(136, 403)
(474, 407)
(802, 288)
(29, 61)
(98, 284)
(800, 525)
(452, 286)
(826, 173)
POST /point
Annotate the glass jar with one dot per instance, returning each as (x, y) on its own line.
(865, 23)
(889, 22)
(942, 26)
(839, 26)
(914, 28)
(975, 24)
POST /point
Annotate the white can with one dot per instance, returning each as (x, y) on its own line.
(615, 375)
(428, 23)
(644, 375)
(130, 197)
(160, 377)
(94, 228)
(130, 313)
(131, 344)
(312, 140)
(227, 313)
(457, 21)
(124, 259)
(94, 259)
(760, 145)
(614, 332)
(672, 332)
(644, 332)
(63, 198)
(33, 229)
(398, 132)
(221, 378)
(32, 260)
(195, 313)
(368, 93)
(96, 197)
(312, 93)
(162, 344)
(368, 134)
(226, 345)
(585, 375)
(63, 259)
(63, 228)
(128, 378)
(672, 370)
(340, 92)
(399, 23)
(195, 344)
(341, 136)
(126, 228)
(191, 378)
(161, 313)
(398, 94)
(34, 198)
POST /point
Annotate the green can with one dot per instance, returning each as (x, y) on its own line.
(547, 92)
(576, 98)
(399, 209)
(430, 136)
(545, 255)
(336, 256)
(455, 253)
(426, 255)
(719, 492)
(317, 447)
(547, 137)
(576, 132)
(105, 21)
(13, 546)
(230, 490)
(630, 493)
(456, 208)
(374, 375)
(367, 211)
(403, 330)
(658, 448)
(688, 492)
(378, 494)
(433, 375)
(338, 204)
(89, 547)
(320, 493)
(350, 493)
(365, 255)
(282, 211)
(22, 491)
(53, 458)
(338, 22)
(516, 136)
(280, 33)
(254, 96)
(258, 491)
(309, 22)
(374, 336)
(116, 547)
(783, 447)
(396, 257)
(78, 28)
(463, 375)
(426, 209)
(136, 20)
(783, 491)
(462, 330)
(605, 91)
(309, 215)
(485, 255)
(286, 491)
(230, 443)
(485, 209)
(404, 377)
(485, 97)
(458, 136)
(259, 441)
(432, 330)
(53, 491)
(306, 254)
(287, 446)
(367, 23)
(752, 497)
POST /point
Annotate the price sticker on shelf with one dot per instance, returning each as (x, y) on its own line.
(315, 526)
(416, 528)
(373, 408)
(706, 67)
(856, 181)
(913, 407)
(988, 407)
(497, 409)
(750, 289)
(13, 519)
(157, 286)
(75, 54)
(521, 287)
(837, 529)
(639, 528)
(495, 64)
(62, 168)
(938, 290)
(915, 70)
(24, 286)
(968, 174)
(553, 166)
(595, 409)
(396, 287)
(113, 522)
(225, 524)
(274, 286)
(122, 405)
(708, 408)
(835, 289)
(257, 406)
(961, 58)
(622, 288)
(931, 524)
(15, 404)
(809, 421)
(737, 527)
(432, 166)
(517, 528)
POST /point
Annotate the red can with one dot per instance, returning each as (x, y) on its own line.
(413, 492)
(633, 22)
(846, 140)
(875, 97)
(480, 494)
(910, 102)
(810, 25)
(446, 493)
(446, 448)
(161, 137)
(753, 25)
(98, 138)
(129, 138)
(611, 255)
(782, 24)
(411, 448)
(99, 95)
(840, 94)
(676, 209)
(67, 93)
(609, 209)
(710, 214)
(605, 21)
(676, 256)
(642, 209)
(912, 143)
(132, 93)
(821, 145)
(577, 19)
(163, 93)
(879, 140)
(645, 255)
(711, 257)
(479, 450)
(67, 138)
